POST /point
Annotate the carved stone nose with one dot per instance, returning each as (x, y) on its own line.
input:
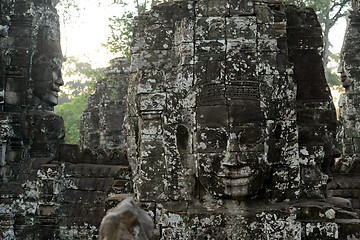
(233, 143)
(230, 160)
(57, 78)
(340, 69)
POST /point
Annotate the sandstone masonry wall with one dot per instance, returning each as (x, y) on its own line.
(101, 122)
(346, 180)
(230, 124)
(48, 190)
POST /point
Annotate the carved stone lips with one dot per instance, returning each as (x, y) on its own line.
(236, 172)
(237, 182)
(54, 93)
(236, 176)
(55, 89)
(343, 78)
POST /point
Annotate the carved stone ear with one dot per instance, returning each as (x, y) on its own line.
(355, 5)
(54, 2)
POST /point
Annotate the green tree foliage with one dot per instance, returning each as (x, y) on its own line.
(71, 113)
(121, 27)
(80, 78)
(81, 81)
(121, 35)
(333, 78)
(328, 12)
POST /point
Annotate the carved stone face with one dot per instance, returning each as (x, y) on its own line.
(348, 67)
(231, 148)
(355, 5)
(47, 80)
(345, 76)
(46, 68)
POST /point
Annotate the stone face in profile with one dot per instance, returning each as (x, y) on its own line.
(349, 63)
(126, 222)
(345, 182)
(31, 56)
(348, 103)
(355, 5)
(346, 79)
(46, 67)
(48, 79)
(33, 155)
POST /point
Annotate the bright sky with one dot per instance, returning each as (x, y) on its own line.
(84, 37)
(91, 29)
(337, 35)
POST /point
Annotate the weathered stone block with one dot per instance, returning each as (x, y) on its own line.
(210, 28)
(267, 45)
(209, 72)
(152, 102)
(211, 8)
(240, 27)
(184, 31)
(90, 170)
(240, 46)
(177, 10)
(241, 70)
(184, 78)
(157, 38)
(213, 50)
(151, 146)
(311, 155)
(155, 59)
(206, 117)
(47, 210)
(91, 184)
(151, 127)
(153, 190)
(186, 56)
(242, 7)
(264, 15)
(85, 197)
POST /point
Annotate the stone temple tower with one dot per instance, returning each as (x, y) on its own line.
(230, 123)
(346, 180)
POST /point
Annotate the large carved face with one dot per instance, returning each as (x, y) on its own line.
(346, 79)
(349, 55)
(47, 79)
(231, 147)
(46, 68)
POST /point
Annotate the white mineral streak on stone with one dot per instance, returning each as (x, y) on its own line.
(201, 145)
(31, 12)
(330, 214)
(4, 29)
